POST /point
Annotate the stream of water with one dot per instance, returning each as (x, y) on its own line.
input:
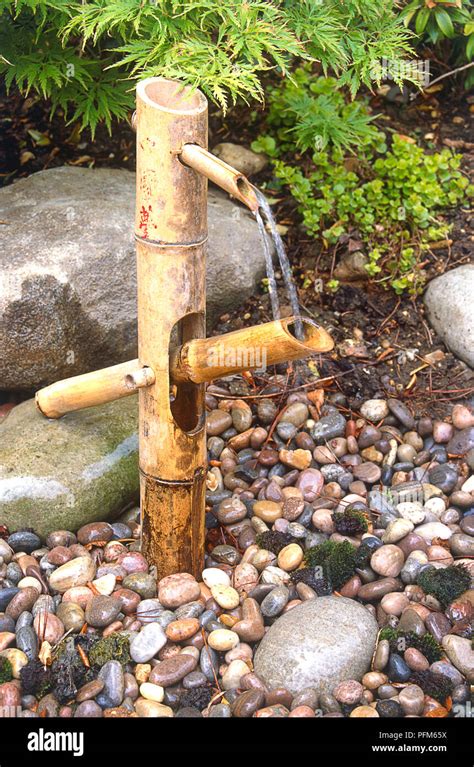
(285, 266)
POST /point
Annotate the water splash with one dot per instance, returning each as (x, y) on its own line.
(283, 260)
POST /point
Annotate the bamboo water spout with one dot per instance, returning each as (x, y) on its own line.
(173, 166)
(199, 361)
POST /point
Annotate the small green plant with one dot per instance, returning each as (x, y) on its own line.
(308, 576)
(390, 197)
(273, 541)
(114, 647)
(446, 25)
(435, 685)
(446, 584)
(35, 678)
(350, 522)
(6, 670)
(402, 640)
(336, 560)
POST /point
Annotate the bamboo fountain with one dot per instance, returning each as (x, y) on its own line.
(175, 360)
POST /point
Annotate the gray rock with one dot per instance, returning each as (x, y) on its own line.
(460, 653)
(242, 159)
(27, 641)
(352, 267)
(147, 643)
(111, 674)
(68, 287)
(328, 427)
(63, 474)
(448, 301)
(462, 442)
(318, 644)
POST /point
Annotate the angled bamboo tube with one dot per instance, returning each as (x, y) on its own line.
(256, 347)
(198, 361)
(93, 388)
(220, 173)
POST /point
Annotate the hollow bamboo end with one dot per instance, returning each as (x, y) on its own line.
(171, 96)
(315, 340)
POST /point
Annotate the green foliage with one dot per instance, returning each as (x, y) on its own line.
(402, 640)
(114, 647)
(6, 671)
(336, 560)
(390, 197)
(85, 55)
(446, 584)
(445, 25)
(308, 113)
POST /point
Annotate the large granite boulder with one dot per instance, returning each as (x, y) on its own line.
(63, 474)
(317, 644)
(68, 275)
(449, 301)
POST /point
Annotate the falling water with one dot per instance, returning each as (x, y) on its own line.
(272, 286)
(283, 260)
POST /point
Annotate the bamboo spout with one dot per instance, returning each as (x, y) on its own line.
(202, 360)
(93, 388)
(197, 361)
(220, 173)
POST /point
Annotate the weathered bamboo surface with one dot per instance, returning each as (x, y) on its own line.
(92, 388)
(222, 174)
(171, 234)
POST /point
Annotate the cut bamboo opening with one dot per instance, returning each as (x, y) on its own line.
(197, 361)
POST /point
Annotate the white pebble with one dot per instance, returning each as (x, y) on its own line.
(152, 691)
(225, 596)
(435, 506)
(105, 584)
(411, 510)
(232, 676)
(213, 576)
(434, 530)
(374, 409)
(223, 640)
(396, 530)
(30, 581)
(468, 485)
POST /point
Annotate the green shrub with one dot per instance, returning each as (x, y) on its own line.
(84, 55)
(447, 26)
(390, 197)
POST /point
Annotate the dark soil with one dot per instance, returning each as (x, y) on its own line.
(384, 345)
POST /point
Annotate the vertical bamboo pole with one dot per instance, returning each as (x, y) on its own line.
(171, 237)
